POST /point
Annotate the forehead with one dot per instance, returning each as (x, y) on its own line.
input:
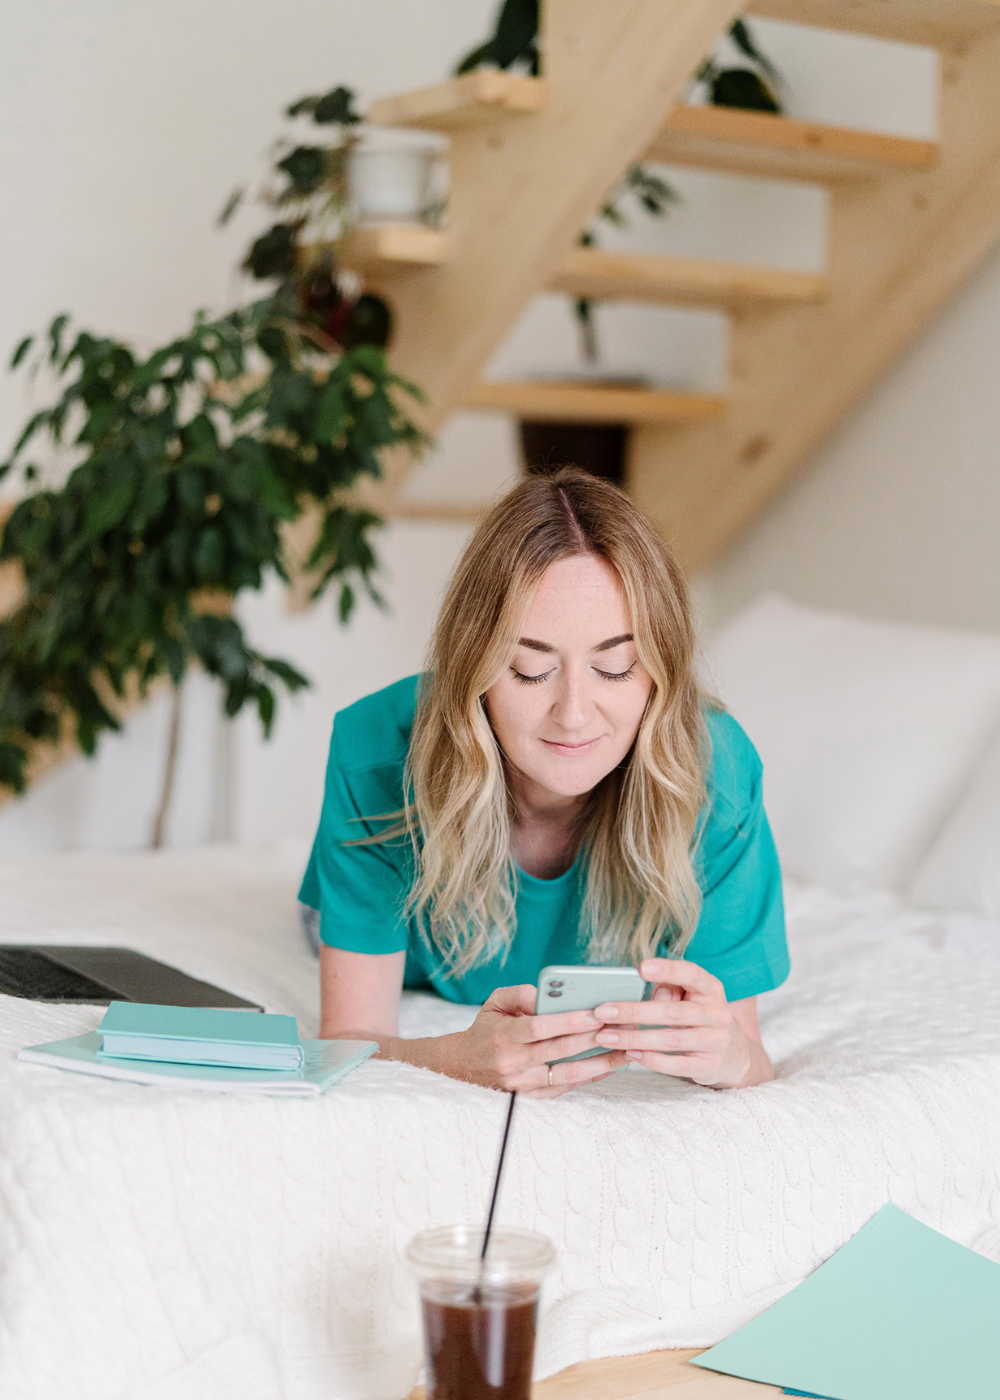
(580, 592)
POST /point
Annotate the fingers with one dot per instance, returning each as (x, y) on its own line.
(674, 978)
(658, 1013)
(514, 1001)
(544, 1028)
(713, 1040)
(568, 1076)
(675, 972)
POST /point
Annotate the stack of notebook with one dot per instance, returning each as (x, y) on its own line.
(238, 1051)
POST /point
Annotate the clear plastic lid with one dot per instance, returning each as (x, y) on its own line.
(453, 1252)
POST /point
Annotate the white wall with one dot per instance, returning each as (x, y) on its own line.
(123, 126)
(898, 515)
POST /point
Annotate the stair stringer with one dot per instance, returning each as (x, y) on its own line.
(899, 248)
(522, 186)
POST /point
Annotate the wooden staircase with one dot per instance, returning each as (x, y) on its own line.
(533, 158)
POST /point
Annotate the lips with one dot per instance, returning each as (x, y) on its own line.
(572, 750)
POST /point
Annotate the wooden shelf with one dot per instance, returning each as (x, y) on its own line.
(760, 143)
(938, 23)
(574, 401)
(597, 274)
(402, 245)
(466, 101)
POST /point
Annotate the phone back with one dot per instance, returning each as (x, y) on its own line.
(583, 988)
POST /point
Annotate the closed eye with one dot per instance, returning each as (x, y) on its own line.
(529, 680)
(615, 675)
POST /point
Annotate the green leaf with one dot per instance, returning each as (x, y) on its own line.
(740, 87)
(55, 336)
(285, 672)
(265, 708)
(16, 359)
(332, 413)
(273, 253)
(105, 511)
(305, 167)
(209, 555)
(230, 207)
(345, 604)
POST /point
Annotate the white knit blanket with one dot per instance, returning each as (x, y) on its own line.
(162, 1245)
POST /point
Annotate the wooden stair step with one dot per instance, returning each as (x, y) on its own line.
(595, 273)
(466, 101)
(761, 143)
(937, 23)
(403, 245)
(575, 401)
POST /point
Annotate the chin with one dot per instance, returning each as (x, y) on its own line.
(571, 784)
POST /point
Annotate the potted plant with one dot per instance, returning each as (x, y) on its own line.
(192, 461)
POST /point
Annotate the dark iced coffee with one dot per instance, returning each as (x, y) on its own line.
(479, 1316)
(479, 1347)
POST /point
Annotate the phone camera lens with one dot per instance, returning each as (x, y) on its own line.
(555, 984)
(555, 994)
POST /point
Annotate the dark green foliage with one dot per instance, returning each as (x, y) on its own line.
(753, 89)
(191, 462)
(741, 87)
(273, 253)
(335, 107)
(515, 40)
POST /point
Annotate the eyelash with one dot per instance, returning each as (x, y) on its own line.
(606, 675)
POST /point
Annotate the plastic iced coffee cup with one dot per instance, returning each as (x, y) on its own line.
(479, 1320)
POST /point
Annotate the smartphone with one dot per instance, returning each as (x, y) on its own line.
(584, 988)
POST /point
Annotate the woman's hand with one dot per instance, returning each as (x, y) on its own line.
(509, 1047)
(698, 1035)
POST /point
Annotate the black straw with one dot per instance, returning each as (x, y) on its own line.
(493, 1200)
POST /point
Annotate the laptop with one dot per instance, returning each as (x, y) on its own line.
(99, 976)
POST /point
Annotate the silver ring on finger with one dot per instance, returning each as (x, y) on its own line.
(550, 1076)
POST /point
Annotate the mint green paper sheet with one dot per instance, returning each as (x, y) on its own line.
(899, 1313)
(326, 1062)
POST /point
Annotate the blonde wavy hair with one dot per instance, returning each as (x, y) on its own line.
(640, 821)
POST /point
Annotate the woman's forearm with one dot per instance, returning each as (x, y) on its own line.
(440, 1053)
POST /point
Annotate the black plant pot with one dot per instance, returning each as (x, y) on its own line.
(599, 448)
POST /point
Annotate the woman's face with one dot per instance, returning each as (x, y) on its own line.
(568, 707)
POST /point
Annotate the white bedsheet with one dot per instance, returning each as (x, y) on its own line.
(156, 1245)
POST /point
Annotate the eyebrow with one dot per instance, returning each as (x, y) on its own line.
(602, 646)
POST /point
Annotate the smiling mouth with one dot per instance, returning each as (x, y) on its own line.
(572, 750)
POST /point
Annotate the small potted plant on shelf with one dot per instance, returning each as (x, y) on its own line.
(189, 465)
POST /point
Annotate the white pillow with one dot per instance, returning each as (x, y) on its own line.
(868, 732)
(962, 870)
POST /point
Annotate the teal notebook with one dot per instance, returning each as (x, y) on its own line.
(901, 1312)
(324, 1062)
(196, 1035)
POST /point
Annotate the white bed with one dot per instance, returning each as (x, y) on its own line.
(161, 1245)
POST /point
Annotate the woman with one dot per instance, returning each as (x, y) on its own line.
(571, 798)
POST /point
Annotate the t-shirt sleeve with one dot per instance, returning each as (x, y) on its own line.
(360, 891)
(740, 937)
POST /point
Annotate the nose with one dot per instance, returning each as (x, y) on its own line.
(571, 708)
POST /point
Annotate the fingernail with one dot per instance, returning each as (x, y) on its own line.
(633, 1054)
(608, 1013)
(607, 1037)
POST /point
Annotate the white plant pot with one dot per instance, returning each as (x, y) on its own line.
(393, 176)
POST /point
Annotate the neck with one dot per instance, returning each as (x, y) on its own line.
(544, 826)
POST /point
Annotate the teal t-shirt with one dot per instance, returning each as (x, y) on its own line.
(361, 891)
